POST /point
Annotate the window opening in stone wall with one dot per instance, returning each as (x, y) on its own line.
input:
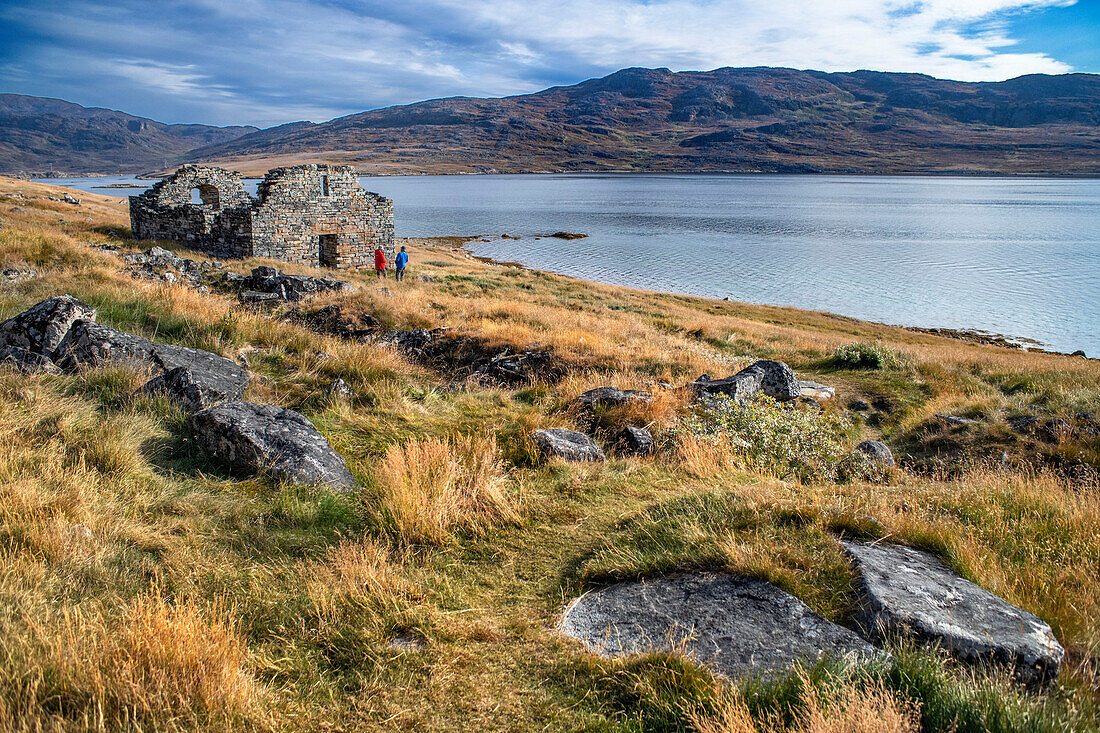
(205, 196)
(326, 250)
(324, 185)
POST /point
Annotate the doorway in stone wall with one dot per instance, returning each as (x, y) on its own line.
(326, 250)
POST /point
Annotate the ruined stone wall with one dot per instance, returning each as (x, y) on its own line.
(319, 215)
(310, 214)
(219, 225)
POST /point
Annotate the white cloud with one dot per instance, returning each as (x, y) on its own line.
(271, 61)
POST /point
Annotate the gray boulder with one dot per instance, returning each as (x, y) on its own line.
(636, 441)
(909, 592)
(568, 445)
(27, 362)
(42, 327)
(878, 452)
(815, 390)
(741, 387)
(779, 381)
(197, 389)
(196, 378)
(612, 396)
(735, 625)
(250, 437)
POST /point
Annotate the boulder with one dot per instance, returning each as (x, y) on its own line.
(815, 391)
(250, 437)
(612, 396)
(43, 326)
(909, 592)
(636, 441)
(568, 445)
(779, 381)
(26, 361)
(878, 452)
(741, 387)
(197, 390)
(735, 625)
(200, 378)
(1023, 423)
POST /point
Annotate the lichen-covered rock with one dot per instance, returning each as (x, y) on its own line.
(779, 381)
(339, 390)
(194, 377)
(815, 390)
(612, 396)
(197, 389)
(909, 592)
(636, 441)
(741, 386)
(878, 452)
(27, 362)
(735, 625)
(568, 445)
(43, 326)
(250, 437)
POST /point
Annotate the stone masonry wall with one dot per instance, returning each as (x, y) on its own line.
(319, 215)
(310, 214)
(166, 212)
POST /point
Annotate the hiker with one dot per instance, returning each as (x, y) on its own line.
(399, 264)
(380, 262)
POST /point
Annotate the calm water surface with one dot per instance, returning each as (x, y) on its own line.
(1012, 256)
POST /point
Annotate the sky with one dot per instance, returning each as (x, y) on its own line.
(266, 62)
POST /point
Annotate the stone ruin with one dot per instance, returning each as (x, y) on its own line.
(309, 214)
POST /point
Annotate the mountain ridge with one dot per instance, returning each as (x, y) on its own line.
(754, 119)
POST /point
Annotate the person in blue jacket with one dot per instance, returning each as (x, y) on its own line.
(399, 264)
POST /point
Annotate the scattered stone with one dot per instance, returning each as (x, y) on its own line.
(384, 292)
(17, 210)
(878, 452)
(250, 437)
(15, 274)
(408, 643)
(779, 381)
(253, 297)
(426, 279)
(331, 320)
(27, 362)
(412, 341)
(815, 391)
(1023, 423)
(80, 532)
(196, 391)
(568, 445)
(43, 326)
(906, 591)
(735, 625)
(339, 390)
(858, 406)
(1079, 352)
(636, 441)
(611, 396)
(955, 420)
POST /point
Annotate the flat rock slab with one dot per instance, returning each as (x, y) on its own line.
(613, 396)
(735, 625)
(250, 437)
(42, 327)
(568, 445)
(909, 592)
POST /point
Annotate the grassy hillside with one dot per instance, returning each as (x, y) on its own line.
(143, 588)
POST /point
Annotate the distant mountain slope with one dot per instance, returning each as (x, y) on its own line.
(768, 119)
(38, 135)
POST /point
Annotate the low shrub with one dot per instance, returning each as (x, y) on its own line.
(760, 435)
(864, 355)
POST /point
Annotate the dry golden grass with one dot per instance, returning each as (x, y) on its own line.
(432, 487)
(872, 709)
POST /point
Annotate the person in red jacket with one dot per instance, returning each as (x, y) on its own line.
(380, 262)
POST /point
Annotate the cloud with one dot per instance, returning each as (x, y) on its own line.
(271, 61)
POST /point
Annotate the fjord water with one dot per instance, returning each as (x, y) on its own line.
(1013, 256)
